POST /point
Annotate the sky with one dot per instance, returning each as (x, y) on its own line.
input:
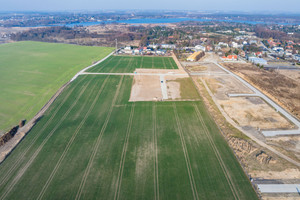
(257, 6)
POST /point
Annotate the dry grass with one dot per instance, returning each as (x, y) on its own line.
(282, 89)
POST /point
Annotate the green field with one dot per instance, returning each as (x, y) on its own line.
(126, 64)
(94, 144)
(31, 72)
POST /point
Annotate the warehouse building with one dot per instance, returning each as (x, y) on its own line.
(256, 61)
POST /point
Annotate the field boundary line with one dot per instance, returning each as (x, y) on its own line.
(72, 139)
(155, 159)
(96, 146)
(217, 153)
(36, 137)
(142, 62)
(186, 156)
(123, 156)
(108, 59)
(88, 67)
(29, 162)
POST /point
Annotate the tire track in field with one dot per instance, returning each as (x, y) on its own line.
(171, 63)
(155, 159)
(186, 156)
(96, 146)
(20, 158)
(163, 61)
(152, 62)
(72, 138)
(30, 161)
(217, 153)
(123, 156)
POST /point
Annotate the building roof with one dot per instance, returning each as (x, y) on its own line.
(194, 55)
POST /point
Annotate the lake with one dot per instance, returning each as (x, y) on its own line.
(166, 20)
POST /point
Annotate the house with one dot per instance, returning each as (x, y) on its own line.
(209, 48)
(168, 46)
(223, 44)
(296, 57)
(259, 54)
(242, 53)
(230, 58)
(289, 52)
(199, 48)
(253, 42)
(277, 49)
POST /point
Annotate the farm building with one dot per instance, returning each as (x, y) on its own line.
(256, 60)
(196, 56)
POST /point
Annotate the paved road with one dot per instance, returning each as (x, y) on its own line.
(100, 61)
(242, 95)
(208, 74)
(163, 86)
(279, 188)
(270, 102)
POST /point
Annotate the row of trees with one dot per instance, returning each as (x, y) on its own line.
(53, 34)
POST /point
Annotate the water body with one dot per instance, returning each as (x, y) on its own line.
(168, 20)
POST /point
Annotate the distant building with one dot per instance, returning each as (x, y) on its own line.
(277, 49)
(199, 48)
(296, 57)
(168, 46)
(196, 56)
(209, 48)
(230, 58)
(242, 53)
(259, 61)
(259, 54)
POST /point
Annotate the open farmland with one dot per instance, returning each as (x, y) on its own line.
(31, 72)
(93, 143)
(130, 63)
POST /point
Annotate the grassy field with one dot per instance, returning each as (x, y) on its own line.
(31, 72)
(128, 64)
(94, 144)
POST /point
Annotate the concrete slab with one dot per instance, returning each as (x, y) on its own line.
(280, 133)
(279, 188)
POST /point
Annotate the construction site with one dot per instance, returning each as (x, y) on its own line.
(252, 108)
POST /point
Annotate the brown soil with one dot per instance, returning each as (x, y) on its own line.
(282, 89)
(245, 111)
(146, 88)
(254, 112)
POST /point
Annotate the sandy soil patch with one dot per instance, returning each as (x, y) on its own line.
(210, 57)
(245, 111)
(254, 112)
(173, 90)
(160, 71)
(146, 88)
(285, 174)
(202, 67)
(223, 85)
